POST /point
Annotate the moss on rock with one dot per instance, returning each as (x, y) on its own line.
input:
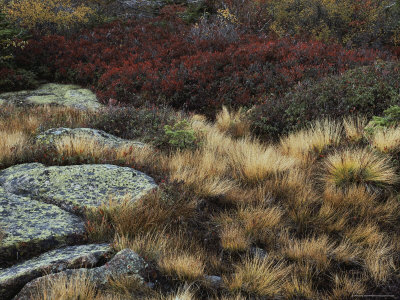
(15, 277)
(32, 227)
(53, 93)
(51, 136)
(75, 188)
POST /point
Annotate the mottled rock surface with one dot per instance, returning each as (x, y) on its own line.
(53, 93)
(14, 278)
(75, 188)
(124, 263)
(51, 136)
(32, 227)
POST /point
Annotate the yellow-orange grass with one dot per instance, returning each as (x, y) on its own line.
(259, 276)
(387, 141)
(233, 122)
(12, 145)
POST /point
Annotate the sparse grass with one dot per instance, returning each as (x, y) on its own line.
(12, 146)
(359, 166)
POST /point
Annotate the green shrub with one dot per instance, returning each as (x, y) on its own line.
(367, 91)
(390, 118)
(180, 135)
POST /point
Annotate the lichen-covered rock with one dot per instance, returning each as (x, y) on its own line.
(75, 188)
(51, 136)
(32, 227)
(53, 93)
(124, 263)
(15, 277)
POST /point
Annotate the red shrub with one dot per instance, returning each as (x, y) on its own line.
(157, 60)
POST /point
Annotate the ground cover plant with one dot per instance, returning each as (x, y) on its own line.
(271, 127)
(320, 204)
(165, 60)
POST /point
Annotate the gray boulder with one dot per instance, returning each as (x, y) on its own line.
(54, 93)
(124, 263)
(14, 278)
(76, 188)
(32, 227)
(51, 136)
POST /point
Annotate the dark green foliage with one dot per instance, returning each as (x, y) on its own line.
(180, 135)
(390, 118)
(146, 124)
(366, 90)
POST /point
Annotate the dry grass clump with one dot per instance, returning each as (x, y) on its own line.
(313, 250)
(12, 146)
(234, 238)
(259, 276)
(306, 143)
(359, 166)
(151, 245)
(65, 288)
(253, 162)
(183, 265)
(354, 128)
(233, 122)
(379, 261)
(346, 287)
(387, 141)
(300, 283)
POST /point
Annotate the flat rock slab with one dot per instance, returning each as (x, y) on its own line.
(124, 263)
(52, 136)
(54, 93)
(15, 277)
(78, 187)
(32, 227)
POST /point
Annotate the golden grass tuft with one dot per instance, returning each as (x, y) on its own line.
(354, 128)
(64, 288)
(387, 140)
(364, 234)
(233, 122)
(183, 265)
(307, 143)
(234, 238)
(259, 276)
(379, 261)
(253, 162)
(345, 287)
(151, 246)
(358, 166)
(313, 250)
(12, 146)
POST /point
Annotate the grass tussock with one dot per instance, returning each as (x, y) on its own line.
(387, 141)
(233, 122)
(183, 266)
(354, 128)
(360, 167)
(306, 144)
(263, 277)
(12, 146)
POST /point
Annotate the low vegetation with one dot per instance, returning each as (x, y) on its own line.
(322, 203)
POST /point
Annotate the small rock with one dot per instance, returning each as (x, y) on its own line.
(15, 277)
(261, 253)
(124, 263)
(215, 281)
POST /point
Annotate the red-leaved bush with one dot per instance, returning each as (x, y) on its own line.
(158, 60)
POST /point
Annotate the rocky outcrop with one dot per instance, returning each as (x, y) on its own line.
(124, 263)
(75, 188)
(14, 278)
(32, 227)
(53, 93)
(52, 136)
